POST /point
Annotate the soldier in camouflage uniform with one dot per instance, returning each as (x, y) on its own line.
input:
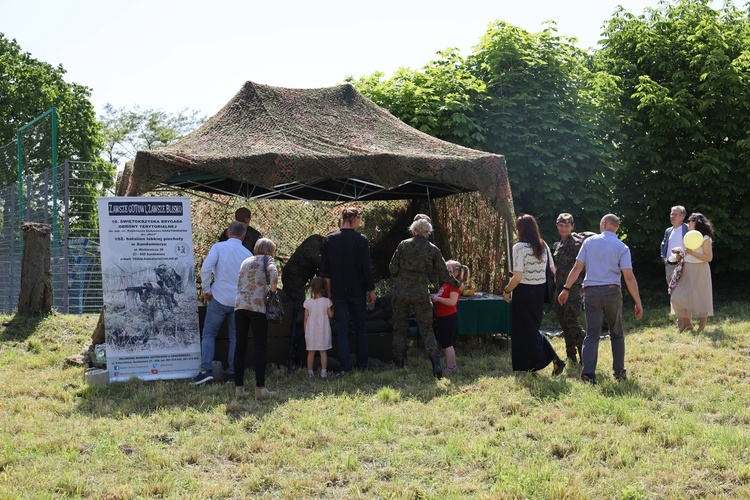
(172, 281)
(566, 251)
(414, 263)
(157, 307)
(299, 270)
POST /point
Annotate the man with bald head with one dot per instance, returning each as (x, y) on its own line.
(219, 274)
(606, 260)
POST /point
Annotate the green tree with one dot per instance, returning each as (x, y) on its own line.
(127, 131)
(545, 110)
(683, 134)
(530, 97)
(28, 88)
(441, 99)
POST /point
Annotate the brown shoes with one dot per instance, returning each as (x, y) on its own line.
(262, 392)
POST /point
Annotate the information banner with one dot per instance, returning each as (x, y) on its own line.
(148, 278)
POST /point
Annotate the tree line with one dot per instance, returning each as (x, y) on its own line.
(657, 115)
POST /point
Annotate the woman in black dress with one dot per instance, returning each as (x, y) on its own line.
(530, 350)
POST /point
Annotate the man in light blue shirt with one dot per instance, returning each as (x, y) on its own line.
(223, 261)
(607, 260)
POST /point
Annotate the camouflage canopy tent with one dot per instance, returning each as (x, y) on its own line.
(317, 144)
(334, 146)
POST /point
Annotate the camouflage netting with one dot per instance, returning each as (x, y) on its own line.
(317, 144)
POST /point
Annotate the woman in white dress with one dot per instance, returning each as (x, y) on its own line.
(693, 295)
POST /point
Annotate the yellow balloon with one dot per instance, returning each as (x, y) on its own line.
(693, 239)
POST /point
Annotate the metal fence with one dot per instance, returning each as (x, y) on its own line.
(64, 201)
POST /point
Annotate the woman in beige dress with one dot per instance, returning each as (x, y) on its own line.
(693, 294)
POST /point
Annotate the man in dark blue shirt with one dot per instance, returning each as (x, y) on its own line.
(345, 262)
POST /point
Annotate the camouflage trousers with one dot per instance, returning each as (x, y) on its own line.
(568, 315)
(422, 308)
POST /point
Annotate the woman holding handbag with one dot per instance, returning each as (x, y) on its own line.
(257, 276)
(530, 350)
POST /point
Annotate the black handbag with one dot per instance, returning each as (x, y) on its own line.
(549, 291)
(274, 306)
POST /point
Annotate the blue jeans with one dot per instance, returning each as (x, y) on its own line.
(603, 303)
(215, 314)
(357, 308)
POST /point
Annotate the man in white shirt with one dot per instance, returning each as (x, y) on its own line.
(223, 261)
(673, 237)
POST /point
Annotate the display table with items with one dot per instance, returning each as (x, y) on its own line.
(483, 314)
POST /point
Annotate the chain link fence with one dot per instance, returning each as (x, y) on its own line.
(63, 200)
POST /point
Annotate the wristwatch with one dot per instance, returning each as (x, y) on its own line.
(566, 288)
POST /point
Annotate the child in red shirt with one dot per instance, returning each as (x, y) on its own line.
(446, 312)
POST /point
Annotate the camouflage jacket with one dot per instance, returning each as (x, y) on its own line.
(172, 281)
(157, 298)
(565, 258)
(415, 263)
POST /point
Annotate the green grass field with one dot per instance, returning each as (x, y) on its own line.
(678, 428)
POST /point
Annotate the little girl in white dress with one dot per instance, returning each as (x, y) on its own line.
(318, 312)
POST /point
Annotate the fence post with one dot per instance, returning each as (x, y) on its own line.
(29, 185)
(65, 243)
(45, 197)
(13, 237)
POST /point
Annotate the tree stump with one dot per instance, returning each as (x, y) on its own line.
(36, 296)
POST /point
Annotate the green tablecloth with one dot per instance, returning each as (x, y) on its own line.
(483, 315)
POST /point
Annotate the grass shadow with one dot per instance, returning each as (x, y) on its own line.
(612, 388)
(414, 382)
(20, 327)
(145, 398)
(544, 387)
(716, 334)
